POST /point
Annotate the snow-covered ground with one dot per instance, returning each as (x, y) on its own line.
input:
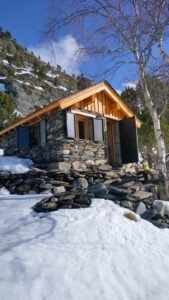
(14, 164)
(94, 253)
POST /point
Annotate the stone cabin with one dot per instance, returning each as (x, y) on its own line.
(93, 126)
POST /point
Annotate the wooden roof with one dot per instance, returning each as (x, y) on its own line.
(73, 99)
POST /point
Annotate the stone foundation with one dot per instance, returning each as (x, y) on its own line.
(59, 151)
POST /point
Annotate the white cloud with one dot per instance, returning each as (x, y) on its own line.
(130, 84)
(65, 53)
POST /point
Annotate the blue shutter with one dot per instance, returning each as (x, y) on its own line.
(22, 137)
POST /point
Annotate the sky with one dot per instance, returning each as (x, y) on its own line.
(25, 20)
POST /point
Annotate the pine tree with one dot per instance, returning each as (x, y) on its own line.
(7, 114)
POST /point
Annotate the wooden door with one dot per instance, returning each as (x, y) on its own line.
(110, 141)
(128, 138)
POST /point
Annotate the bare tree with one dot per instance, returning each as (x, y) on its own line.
(125, 31)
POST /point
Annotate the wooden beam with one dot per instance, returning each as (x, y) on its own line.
(77, 112)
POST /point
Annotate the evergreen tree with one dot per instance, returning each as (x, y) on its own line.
(7, 115)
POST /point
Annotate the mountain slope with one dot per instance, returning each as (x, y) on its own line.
(30, 82)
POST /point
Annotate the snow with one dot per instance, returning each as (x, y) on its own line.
(62, 87)
(2, 77)
(5, 62)
(4, 191)
(14, 164)
(38, 88)
(94, 253)
(17, 113)
(51, 75)
(22, 73)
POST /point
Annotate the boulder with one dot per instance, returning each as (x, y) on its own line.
(149, 214)
(59, 190)
(97, 188)
(80, 184)
(141, 208)
(78, 165)
(162, 207)
(142, 195)
(126, 204)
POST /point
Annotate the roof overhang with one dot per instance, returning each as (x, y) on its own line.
(72, 99)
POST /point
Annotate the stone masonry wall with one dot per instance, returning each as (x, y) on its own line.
(59, 151)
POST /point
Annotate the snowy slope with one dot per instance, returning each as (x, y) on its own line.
(93, 254)
(15, 164)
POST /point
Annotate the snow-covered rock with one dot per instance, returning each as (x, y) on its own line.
(14, 164)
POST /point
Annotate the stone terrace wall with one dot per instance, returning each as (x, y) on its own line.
(74, 153)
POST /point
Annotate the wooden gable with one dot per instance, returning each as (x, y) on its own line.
(102, 104)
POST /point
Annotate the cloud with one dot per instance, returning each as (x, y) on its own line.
(65, 53)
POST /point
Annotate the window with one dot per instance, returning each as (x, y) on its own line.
(32, 135)
(84, 127)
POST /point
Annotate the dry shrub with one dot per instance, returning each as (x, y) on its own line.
(131, 216)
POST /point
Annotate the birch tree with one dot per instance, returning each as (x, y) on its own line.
(126, 32)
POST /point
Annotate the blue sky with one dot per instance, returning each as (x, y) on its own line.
(25, 21)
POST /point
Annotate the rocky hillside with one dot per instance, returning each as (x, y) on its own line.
(30, 82)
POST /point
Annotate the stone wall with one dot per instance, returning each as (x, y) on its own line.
(59, 151)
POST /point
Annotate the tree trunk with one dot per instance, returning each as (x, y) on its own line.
(158, 134)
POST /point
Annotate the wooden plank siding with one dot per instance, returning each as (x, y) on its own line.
(102, 104)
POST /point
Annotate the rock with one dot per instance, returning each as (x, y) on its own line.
(130, 168)
(45, 186)
(5, 173)
(81, 202)
(136, 187)
(126, 204)
(23, 188)
(46, 192)
(78, 165)
(127, 184)
(149, 214)
(80, 184)
(159, 223)
(97, 188)
(119, 191)
(105, 196)
(45, 205)
(89, 163)
(141, 195)
(159, 207)
(140, 208)
(32, 192)
(104, 168)
(99, 162)
(162, 207)
(59, 190)
(111, 174)
(62, 166)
